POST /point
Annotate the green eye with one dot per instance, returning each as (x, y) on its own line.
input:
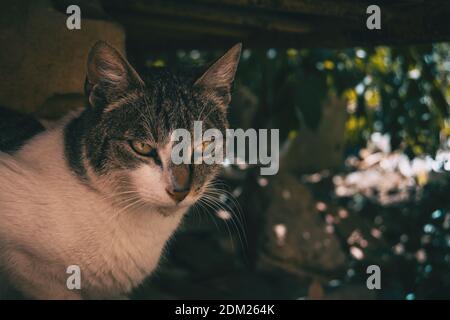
(142, 148)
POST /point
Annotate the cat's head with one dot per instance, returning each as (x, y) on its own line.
(130, 120)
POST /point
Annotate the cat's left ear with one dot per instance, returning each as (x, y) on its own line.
(219, 77)
(109, 75)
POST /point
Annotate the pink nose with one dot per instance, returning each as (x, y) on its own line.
(178, 196)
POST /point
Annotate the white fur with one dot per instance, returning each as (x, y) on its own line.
(49, 220)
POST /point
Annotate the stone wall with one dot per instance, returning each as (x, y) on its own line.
(40, 58)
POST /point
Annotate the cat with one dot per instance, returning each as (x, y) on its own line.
(99, 190)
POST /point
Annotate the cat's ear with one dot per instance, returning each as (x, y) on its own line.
(220, 75)
(109, 75)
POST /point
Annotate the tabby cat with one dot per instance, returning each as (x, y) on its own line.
(99, 190)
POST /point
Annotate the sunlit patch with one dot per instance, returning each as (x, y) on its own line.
(360, 53)
(399, 249)
(246, 54)
(226, 162)
(343, 214)
(340, 191)
(421, 256)
(334, 283)
(321, 206)
(355, 237)
(223, 198)
(194, 54)
(350, 273)
(446, 224)
(313, 178)
(414, 73)
(429, 228)
(376, 233)
(436, 214)
(223, 214)
(410, 296)
(359, 88)
(263, 182)
(271, 53)
(363, 243)
(357, 253)
(329, 229)
(280, 233)
(286, 194)
(237, 192)
(329, 219)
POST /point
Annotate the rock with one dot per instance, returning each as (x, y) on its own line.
(190, 248)
(295, 237)
(243, 108)
(315, 150)
(40, 57)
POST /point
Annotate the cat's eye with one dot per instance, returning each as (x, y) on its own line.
(208, 148)
(206, 144)
(142, 148)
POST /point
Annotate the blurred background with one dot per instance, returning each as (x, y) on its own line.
(364, 132)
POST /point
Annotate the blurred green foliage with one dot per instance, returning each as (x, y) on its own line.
(401, 91)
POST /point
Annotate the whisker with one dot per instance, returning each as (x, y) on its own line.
(228, 209)
(210, 204)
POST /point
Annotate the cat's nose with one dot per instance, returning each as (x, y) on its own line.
(177, 195)
(180, 182)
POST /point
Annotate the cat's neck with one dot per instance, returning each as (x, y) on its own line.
(120, 247)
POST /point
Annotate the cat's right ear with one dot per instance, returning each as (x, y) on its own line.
(109, 75)
(219, 77)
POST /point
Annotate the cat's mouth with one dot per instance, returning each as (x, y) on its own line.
(185, 203)
(174, 207)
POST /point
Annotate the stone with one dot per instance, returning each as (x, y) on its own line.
(41, 57)
(313, 150)
(295, 238)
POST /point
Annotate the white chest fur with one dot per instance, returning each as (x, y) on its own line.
(50, 220)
